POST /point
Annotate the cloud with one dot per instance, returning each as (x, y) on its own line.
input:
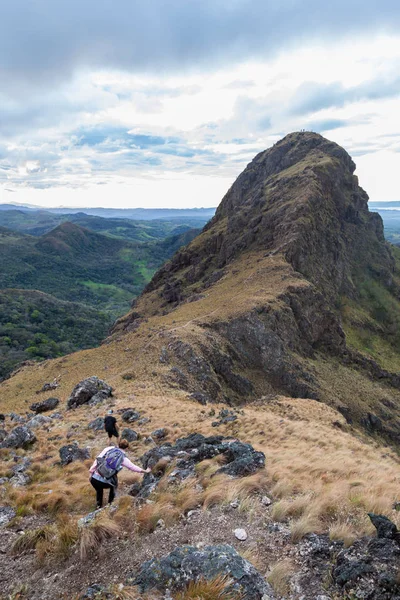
(43, 42)
(312, 96)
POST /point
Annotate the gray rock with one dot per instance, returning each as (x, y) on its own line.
(159, 434)
(97, 424)
(7, 513)
(3, 435)
(72, 452)
(129, 435)
(265, 501)
(188, 563)
(16, 418)
(144, 421)
(56, 415)
(48, 386)
(39, 421)
(49, 404)
(384, 527)
(240, 534)
(86, 390)
(2, 417)
(130, 415)
(20, 437)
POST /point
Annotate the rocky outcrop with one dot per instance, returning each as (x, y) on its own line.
(369, 568)
(72, 452)
(129, 435)
(97, 424)
(241, 460)
(130, 415)
(49, 404)
(19, 437)
(91, 390)
(39, 421)
(188, 563)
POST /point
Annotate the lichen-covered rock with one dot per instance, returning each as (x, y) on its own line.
(49, 404)
(39, 421)
(188, 563)
(72, 452)
(242, 459)
(7, 513)
(129, 435)
(130, 415)
(97, 424)
(19, 437)
(385, 528)
(3, 435)
(90, 389)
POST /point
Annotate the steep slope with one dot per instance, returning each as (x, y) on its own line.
(263, 285)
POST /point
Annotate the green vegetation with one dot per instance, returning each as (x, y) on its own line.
(91, 279)
(372, 322)
(36, 326)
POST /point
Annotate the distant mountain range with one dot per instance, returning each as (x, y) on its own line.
(137, 214)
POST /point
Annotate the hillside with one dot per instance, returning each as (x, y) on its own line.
(78, 265)
(250, 335)
(36, 326)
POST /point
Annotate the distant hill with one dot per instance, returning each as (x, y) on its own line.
(390, 213)
(78, 265)
(38, 222)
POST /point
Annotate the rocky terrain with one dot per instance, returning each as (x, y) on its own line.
(242, 379)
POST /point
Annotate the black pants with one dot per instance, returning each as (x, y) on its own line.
(99, 486)
(112, 432)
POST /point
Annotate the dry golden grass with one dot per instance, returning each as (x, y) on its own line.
(308, 523)
(93, 535)
(279, 576)
(209, 589)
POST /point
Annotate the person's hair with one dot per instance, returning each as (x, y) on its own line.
(123, 444)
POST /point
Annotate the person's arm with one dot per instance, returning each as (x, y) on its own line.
(93, 467)
(129, 465)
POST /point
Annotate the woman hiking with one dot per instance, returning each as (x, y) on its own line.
(104, 470)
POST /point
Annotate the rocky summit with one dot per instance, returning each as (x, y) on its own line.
(256, 384)
(265, 293)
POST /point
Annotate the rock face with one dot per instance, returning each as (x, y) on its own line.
(242, 459)
(91, 390)
(20, 437)
(72, 452)
(49, 404)
(188, 563)
(289, 244)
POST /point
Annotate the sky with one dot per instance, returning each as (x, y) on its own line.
(121, 103)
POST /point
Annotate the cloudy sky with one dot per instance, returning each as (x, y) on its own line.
(163, 103)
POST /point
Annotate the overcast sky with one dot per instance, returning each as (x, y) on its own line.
(122, 103)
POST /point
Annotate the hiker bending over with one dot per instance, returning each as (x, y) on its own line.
(110, 425)
(104, 470)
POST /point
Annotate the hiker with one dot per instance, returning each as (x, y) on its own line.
(110, 425)
(104, 470)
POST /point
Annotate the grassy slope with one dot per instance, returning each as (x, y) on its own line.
(372, 322)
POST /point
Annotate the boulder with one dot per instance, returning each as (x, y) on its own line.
(129, 435)
(20, 437)
(385, 528)
(87, 390)
(159, 434)
(39, 421)
(72, 452)
(2, 417)
(49, 404)
(242, 459)
(7, 513)
(97, 424)
(96, 590)
(188, 563)
(48, 386)
(130, 415)
(3, 435)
